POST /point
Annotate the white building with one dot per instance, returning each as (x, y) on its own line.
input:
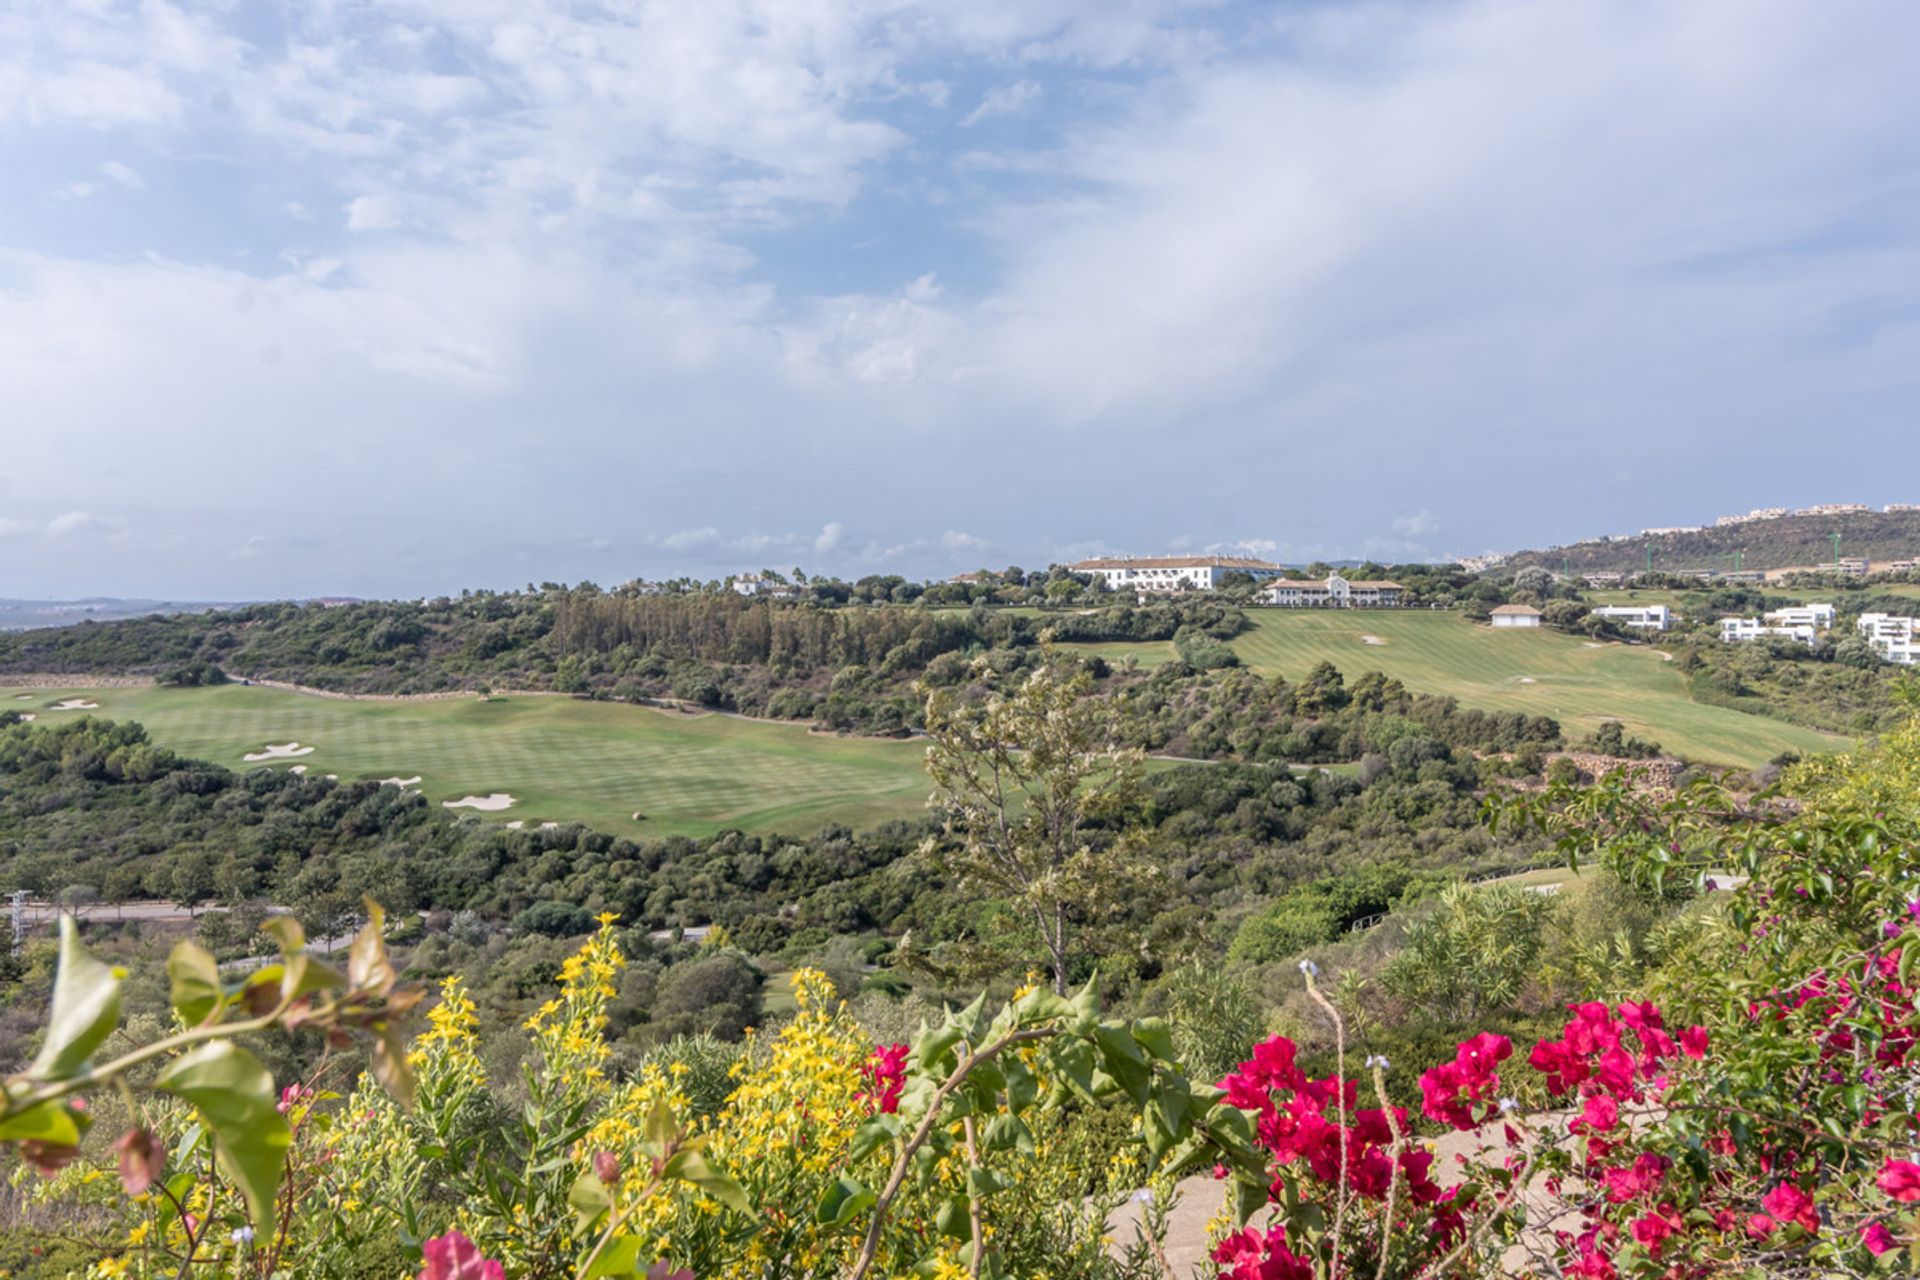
(1742, 630)
(1172, 573)
(1818, 616)
(1669, 530)
(1895, 639)
(752, 584)
(1638, 617)
(1515, 615)
(1335, 593)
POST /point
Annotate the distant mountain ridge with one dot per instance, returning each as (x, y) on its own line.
(1781, 542)
(22, 615)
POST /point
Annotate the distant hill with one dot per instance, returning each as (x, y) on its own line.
(22, 615)
(1780, 543)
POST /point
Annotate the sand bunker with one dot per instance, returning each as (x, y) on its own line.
(298, 768)
(1589, 644)
(28, 716)
(1372, 640)
(285, 751)
(549, 826)
(486, 804)
(516, 824)
(398, 782)
(23, 697)
(1526, 679)
(74, 704)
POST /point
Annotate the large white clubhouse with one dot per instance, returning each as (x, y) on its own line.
(1172, 573)
(1335, 593)
(1169, 574)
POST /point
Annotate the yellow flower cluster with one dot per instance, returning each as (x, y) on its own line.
(567, 1031)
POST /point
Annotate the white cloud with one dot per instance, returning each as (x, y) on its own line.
(828, 539)
(1417, 525)
(14, 527)
(372, 213)
(69, 523)
(957, 540)
(1005, 100)
(123, 174)
(690, 539)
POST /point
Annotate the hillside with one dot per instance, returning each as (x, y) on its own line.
(1760, 544)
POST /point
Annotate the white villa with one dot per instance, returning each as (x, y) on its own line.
(1741, 630)
(1515, 615)
(752, 584)
(1638, 617)
(1818, 616)
(1894, 638)
(1172, 573)
(1335, 593)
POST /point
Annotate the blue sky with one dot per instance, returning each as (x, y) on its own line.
(397, 298)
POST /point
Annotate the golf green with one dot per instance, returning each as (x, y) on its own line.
(561, 759)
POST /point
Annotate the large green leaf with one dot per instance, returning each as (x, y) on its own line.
(50, 1122)
(844, 1198)
(234, 1095)
(194, 976)
(621, 1257)
(86, 1007)
(692, 1167)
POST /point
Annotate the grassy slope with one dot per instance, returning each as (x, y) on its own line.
(1580, 686)
(562, 759)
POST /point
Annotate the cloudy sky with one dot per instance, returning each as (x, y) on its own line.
(396, 297)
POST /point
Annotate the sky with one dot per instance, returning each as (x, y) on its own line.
(402, 297)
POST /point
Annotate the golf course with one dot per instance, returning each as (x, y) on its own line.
(559, 759)
(1578, 682)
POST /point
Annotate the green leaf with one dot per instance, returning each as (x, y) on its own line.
(588, 1197)
(1009, 1132)
(195, 978)
(692, 1167)
(844, 1198)
(873, 1135)
(287, 933)
(86, 1008)
(368, 968)
(982, 1181)
(621, 1257)
(1124, 1061)
(234, 1095)
(50, 1122)
(955, 1218)
(1156, 1037)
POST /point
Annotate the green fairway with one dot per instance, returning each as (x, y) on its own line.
(562, 759)
(1577, 682)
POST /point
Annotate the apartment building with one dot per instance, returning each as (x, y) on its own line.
(1638, 617)
(1894, 638)
(1817, 616)
(1742, 630)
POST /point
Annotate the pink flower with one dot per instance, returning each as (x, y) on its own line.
(1877, 1238)
(1254, 1255)
(454, 1257)
(1788, 1203)
(1693, 1042)
(1760, 1226)
(1651, 1231)
(1600, 1114)
(1901, 1180)
(886, 1076)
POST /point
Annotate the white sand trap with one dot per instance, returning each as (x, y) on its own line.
(28, 717)
(486, 804)
(1526, 679)
(1372, 640)
(23, 697)
(298, 768)
(549, 826)
(516, 824)
(398, 782)
(285, 751)
(74, 704)
(1589, 644)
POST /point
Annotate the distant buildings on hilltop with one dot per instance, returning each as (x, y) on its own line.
(1167, 575)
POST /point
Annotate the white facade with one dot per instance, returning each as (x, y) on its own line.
(1335, 593)
(1741, 630)
(1818, 616)
(1895, 639)
(1508, 616)
(754, 585)
(1638, 617)
(1172, 573)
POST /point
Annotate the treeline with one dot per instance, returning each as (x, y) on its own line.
(1757, 544)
